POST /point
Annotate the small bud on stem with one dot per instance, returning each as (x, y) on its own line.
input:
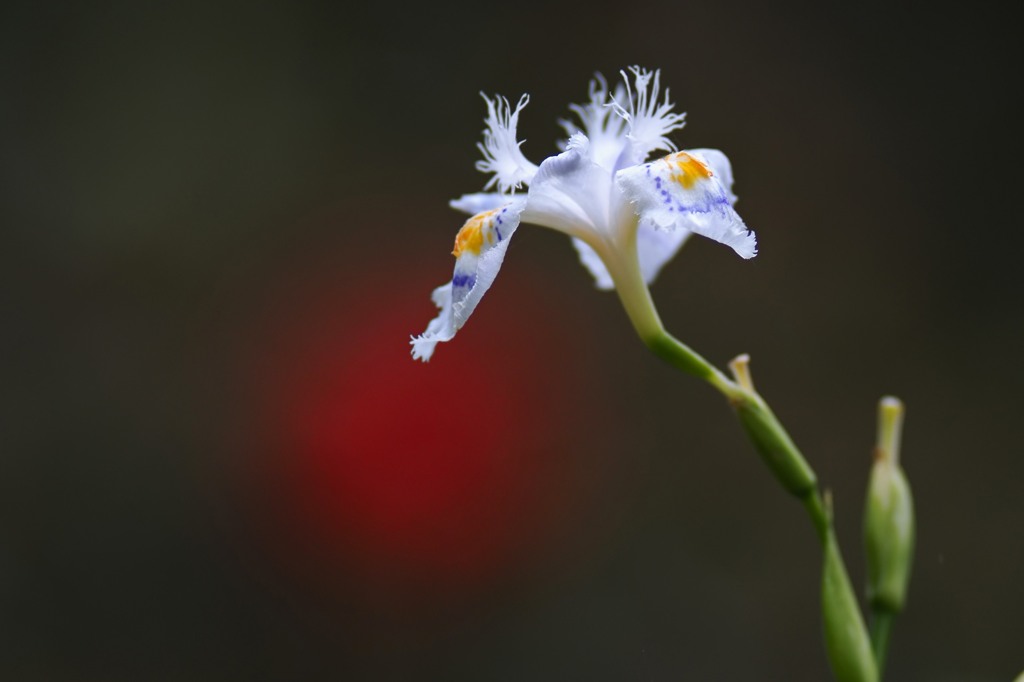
(769, 437)
(888, 516)
(888, 529)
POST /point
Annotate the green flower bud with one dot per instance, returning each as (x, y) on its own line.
(769, 438)
(888, 517)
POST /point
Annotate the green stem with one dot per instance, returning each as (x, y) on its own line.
(768, 435)
(679, 355)
(818, 514)
(881, 626)
(846, 637)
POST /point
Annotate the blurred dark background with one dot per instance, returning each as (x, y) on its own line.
(221, 221)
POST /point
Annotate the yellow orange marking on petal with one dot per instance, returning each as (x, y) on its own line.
(687, 170)
(471, 237)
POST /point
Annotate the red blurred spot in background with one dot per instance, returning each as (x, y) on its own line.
(456, 471)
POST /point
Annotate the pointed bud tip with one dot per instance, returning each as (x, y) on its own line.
(740, 368)
(890, 427)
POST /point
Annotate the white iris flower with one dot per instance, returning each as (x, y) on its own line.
(627, 216)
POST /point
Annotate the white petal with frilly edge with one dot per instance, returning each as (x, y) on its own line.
(682, 190)
(479, 202)
(479, 251)
(648, 121)
(500, 148)
(604, 128)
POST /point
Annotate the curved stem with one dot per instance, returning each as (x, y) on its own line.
(766, 432)
(849, 649)
(846, 637)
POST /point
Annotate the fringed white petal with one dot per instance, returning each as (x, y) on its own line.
(500, 148)
(441, 328)
(594, 115)
(479, 251)
(479, 202)
(648, 121)
(682, 191)
(603, 127)
(623, 213)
